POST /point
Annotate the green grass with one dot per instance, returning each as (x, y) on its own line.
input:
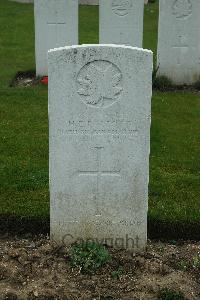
(169, 294)
(174, 196)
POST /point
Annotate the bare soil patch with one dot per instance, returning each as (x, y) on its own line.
(25, 79)
(32, 267)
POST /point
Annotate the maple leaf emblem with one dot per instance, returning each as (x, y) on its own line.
(182, 8)
(121, 7)
(99, 83)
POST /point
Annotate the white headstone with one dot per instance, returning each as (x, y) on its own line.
(121, 22)
(179, 40)
(56, 25)
(99, 117)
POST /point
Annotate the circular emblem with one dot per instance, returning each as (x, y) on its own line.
(182, 8)
(121, 7)
(99, 83)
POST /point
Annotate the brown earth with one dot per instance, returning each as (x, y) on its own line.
(35, 268)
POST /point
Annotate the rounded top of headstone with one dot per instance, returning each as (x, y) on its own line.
(88, 46)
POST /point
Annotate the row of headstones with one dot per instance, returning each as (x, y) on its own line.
(56, 25)
(121, 22)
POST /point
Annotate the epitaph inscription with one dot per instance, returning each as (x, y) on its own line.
(99, 83)
(121, 7)
(182, 8)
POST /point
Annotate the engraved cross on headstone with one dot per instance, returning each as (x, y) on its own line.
(182, 47)
(99, 173)
(56, 24)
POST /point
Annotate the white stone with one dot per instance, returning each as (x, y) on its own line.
(179, 40)
(99, 118)
(56, 25)
(121, 22)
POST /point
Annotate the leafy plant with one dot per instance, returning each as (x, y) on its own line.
(196, 262)
(116, 274)
(169, 294)
(88, 256)
(183, 265)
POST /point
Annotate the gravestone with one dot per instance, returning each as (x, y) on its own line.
(99, 118)
(179, 40)
(121, 22)
(56, 25)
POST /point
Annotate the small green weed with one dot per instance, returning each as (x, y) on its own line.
(183, 265)
(168, 294)
(116, 274)
(161, 250)
(196, 262)
(88, 256)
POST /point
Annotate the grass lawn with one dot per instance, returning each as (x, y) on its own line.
(174, 194)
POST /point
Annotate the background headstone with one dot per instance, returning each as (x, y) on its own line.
(56, 25)
(179, 40)
(89, 2)
(121, 22)
(99, 117)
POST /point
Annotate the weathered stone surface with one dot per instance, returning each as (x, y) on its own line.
(99, 118)
(121, 22)
(56, 25)
(179, 40)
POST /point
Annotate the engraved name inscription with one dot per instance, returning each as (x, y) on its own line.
(182, 8)
(99, 83)
(121, 7)
(93, 127)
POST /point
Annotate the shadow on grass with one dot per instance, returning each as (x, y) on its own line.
(12, 225)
